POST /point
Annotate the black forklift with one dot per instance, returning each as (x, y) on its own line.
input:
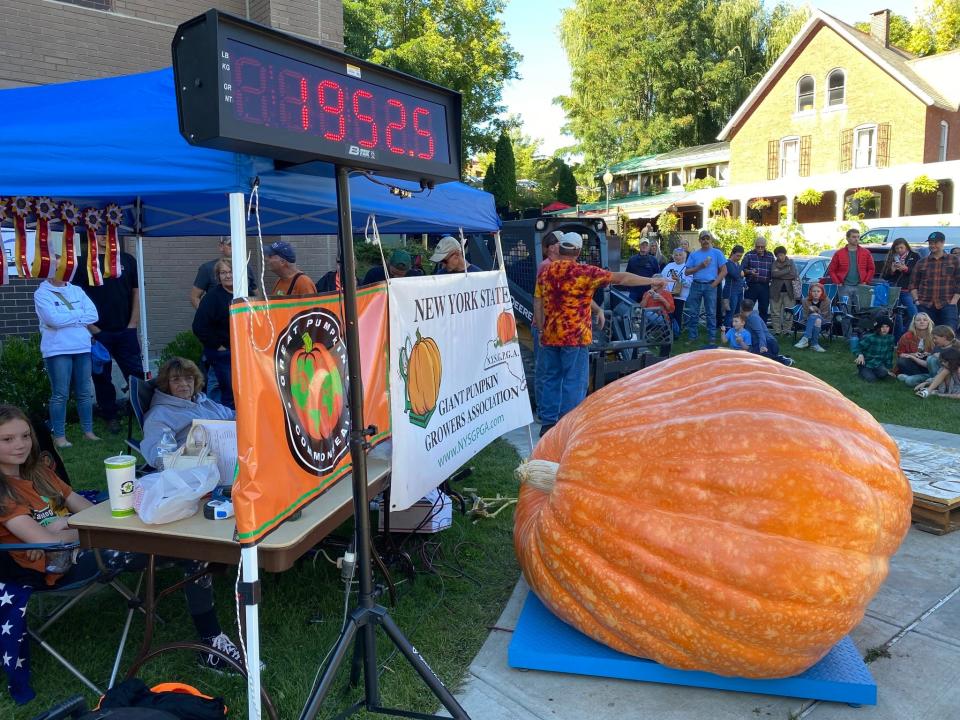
(630, 339)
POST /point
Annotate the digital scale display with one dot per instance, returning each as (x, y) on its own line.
(247, 88)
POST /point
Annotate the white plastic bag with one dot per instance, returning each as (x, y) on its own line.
(171, 495)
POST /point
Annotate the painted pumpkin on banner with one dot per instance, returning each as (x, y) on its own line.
(310, 361)
(506, 328)
(424, 372)
(744, 536)
(317, 388)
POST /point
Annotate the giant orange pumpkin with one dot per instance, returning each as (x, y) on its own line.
(715, 512)
(423, 373)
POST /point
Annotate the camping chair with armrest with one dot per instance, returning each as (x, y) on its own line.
(141, 395)
(798, 320)
(36, 614)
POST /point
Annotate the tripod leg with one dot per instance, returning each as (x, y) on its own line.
(322, 686)
(371, 678)
(357, 663)
(423, 669)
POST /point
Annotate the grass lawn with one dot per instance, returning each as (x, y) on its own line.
(888, 401)
(464, 576)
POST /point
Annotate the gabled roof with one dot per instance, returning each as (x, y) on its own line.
(894, 61)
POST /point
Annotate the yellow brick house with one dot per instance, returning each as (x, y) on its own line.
(843, 111)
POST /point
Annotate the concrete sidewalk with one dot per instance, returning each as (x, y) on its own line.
(913, 623)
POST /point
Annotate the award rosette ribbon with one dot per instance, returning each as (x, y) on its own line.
(111, 252)
(91, 220)
(4, 277)
(20, 209)
(46, 211)
(67, 266)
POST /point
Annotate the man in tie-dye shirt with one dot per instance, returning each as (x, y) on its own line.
(561, 308)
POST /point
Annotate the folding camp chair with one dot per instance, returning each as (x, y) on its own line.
(46, 605)
(39, 614)
(141, 395)
(798, 322)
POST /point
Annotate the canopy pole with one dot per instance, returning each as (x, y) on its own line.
(248, 555)
(238, 244)
(142, 292)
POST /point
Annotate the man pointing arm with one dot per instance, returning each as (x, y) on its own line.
(561, 307)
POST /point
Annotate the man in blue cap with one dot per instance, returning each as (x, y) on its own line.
(281, 258)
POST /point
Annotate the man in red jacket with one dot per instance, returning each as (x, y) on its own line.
(850, 267)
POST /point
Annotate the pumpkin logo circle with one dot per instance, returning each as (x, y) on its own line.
(310, 362)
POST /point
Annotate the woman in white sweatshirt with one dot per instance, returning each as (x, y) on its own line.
(65, 313)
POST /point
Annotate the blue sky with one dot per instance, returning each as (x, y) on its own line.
(532, 25)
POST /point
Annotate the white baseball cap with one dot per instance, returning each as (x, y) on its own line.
(572, 241)
(447, 245)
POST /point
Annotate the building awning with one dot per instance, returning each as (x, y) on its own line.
(648, 211)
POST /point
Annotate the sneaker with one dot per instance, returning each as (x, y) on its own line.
(788, 361)
(818, 348)
(213, 662)
(804, 342)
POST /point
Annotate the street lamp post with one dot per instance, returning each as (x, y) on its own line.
(607, 180)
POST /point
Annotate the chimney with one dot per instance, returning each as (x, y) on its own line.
(880, 27)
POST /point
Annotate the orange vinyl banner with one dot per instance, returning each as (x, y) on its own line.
(290, 381)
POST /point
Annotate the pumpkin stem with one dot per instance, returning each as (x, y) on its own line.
(540, 474)
(307, 343)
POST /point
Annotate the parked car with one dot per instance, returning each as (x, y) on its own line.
(810, 268)
(915, 235)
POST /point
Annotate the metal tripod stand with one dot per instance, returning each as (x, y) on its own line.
(367, 616)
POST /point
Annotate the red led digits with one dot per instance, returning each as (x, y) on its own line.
(365, 118)
(337, 109)
(293, 92)
(305, 110)
(250, 84)
(396, 125)
(423, 132)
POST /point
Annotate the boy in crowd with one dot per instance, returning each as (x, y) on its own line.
(761, 341)
(737, 337)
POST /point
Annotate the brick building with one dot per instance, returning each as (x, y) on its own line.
(50, 41)
(843, 110)
(840, 113)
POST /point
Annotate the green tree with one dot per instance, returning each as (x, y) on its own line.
(488, 178)
(654, 75)
(566, 182)
(459, 44)
(936, 29)
(504, 182)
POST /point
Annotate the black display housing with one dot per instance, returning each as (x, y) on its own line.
(247, 88)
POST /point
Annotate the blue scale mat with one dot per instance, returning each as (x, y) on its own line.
(542, 641)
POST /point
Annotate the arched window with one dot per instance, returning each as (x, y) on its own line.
(836, 88)
(805, 91)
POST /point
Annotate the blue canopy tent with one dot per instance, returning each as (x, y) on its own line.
(117, 140)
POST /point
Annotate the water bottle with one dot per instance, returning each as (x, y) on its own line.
(167, 446)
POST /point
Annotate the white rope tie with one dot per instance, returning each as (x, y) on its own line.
(372, 227)
(254, 206)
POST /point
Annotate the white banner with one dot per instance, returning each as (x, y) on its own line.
(456, 377)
